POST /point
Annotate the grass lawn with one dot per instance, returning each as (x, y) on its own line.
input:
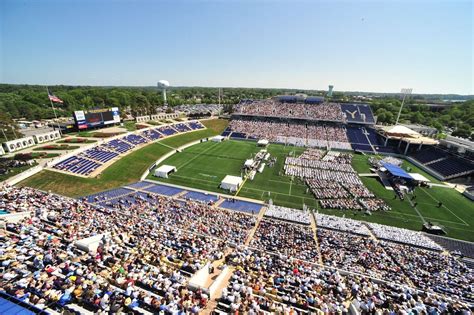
(203, 166)
(127, 170)
(56, 147)
(130, 125)
(77, 140)
(14, 171)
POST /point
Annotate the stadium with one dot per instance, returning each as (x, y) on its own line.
(291, 205)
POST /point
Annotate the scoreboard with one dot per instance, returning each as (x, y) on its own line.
(96, 117)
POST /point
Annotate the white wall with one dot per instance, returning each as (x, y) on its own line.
(48, 136)
(18, 144)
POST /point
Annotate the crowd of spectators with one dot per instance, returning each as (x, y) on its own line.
(434, 271)
(341, 224)
(312, 135)
(151, 245)
(191, 215)
(290, 240)
(273, 108)
(357, 253)
(271, 283)
(405, 236)
(288, 214)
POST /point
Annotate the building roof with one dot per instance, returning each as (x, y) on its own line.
(401, 130)
(404, 133)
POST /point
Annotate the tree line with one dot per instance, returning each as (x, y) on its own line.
(31, 102)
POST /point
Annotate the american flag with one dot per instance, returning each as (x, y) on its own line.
(54, 98)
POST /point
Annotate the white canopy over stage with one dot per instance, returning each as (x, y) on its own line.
(164, 170)
(231, 183)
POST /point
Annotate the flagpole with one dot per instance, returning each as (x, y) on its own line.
(54, 111)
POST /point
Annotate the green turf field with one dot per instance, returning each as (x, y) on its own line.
(203, 166)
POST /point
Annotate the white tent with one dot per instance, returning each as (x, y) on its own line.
(231, 183)
(262, 142)
(248, 163)
(164, 170)
(419, 177)
(218, 138)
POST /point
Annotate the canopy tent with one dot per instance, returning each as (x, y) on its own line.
(164, 170)
(218, 138)
(418, 177)
(248, 163)
(231, 183)
(396, 171)
(404, 133)
(262, 142)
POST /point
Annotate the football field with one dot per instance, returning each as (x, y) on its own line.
(204, 165)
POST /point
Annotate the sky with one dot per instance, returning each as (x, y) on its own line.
(378, 46)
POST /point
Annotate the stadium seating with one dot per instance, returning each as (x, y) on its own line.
(428, 155)
(99, 154)
(452, 166)
(164, 241)
(181, 127)
(195, 125)
(77, 165)
(118, 146)
(443, 162)
(135, 139)
(167, 130)
(152, 134)
(88, 161)
(355, 113)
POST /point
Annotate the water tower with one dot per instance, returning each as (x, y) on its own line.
(163, 85)
(330, 90)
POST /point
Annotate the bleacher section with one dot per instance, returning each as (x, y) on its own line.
(358, 139)
(452, 166)
(181, 127)
(99, 154)
(195, 195)
(152, 134)
(77, 165)
(86, 162)
(164, 190)
(195, 125)
(11, 305)
(167, 130)
(240, 205)
(443, 162)
(109, 194)
(119, 146)
(358, 113)
(428, 155)
(135, 139)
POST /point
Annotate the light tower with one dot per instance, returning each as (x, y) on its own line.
(330, 90)
(163, 84)
(405, 92)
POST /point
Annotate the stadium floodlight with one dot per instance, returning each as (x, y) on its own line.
(405, 92)
(163, 84)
